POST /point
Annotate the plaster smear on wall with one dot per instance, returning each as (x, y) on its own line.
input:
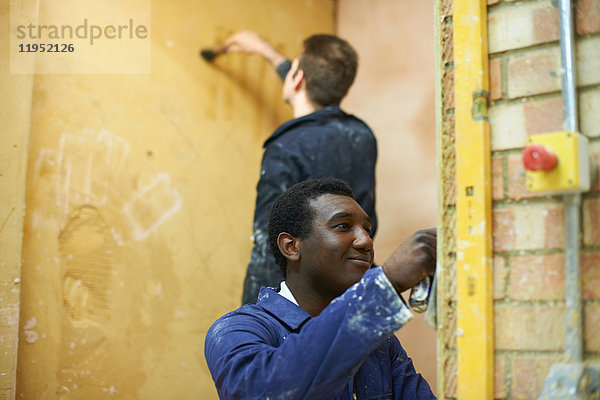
(103, 216)
(152, 205)
(89, 165)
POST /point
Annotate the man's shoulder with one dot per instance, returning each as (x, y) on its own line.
(335, 120)
(268, 307)
(271, 318)
(330, 130)
(248, 317)
(246, 312)
(329, 121)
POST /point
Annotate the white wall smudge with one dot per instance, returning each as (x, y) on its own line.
(87, 163)
(152, 206)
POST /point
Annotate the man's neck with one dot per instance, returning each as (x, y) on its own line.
(306, 299)
(303, 106)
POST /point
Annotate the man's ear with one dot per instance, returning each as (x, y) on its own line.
(288, 246)
(298, 80)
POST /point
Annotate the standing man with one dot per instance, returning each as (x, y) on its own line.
(328, 332)
(320, 141)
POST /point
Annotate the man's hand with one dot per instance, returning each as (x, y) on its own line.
(251, 42)
(413, 260)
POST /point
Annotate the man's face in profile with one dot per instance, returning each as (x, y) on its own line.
(339, 249)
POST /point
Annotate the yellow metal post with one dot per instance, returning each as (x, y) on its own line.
(473, 207)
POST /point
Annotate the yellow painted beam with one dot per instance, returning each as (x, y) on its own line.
(473, 207)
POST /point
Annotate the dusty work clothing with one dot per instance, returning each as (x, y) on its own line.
(274, 350)
(327, 142)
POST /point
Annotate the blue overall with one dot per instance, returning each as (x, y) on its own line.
(274, 350)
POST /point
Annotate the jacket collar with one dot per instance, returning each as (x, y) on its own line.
(281, 308)
(322, 113)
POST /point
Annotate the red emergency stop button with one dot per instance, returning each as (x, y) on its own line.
(539, 158)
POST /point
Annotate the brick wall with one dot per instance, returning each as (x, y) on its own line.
(528, 229)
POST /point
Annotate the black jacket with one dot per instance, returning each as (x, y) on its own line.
(327, 142)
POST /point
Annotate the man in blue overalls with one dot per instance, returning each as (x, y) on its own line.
(328, 331)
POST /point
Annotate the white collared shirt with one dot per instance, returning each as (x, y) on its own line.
(285, 292)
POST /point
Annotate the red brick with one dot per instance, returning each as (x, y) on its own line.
(592, 325)
(591, 222)
(530, 327)
(511, 124)
(516, 179)
(537, 277)
(499, 377)
(497, 178)
(545, 24)
(529, 374)
(507, 126)
(543, 116)
(587, 60)
(503, 229)
(500, 272)
(521, 25)
(595, 151)
(528, 227)
(590, 276)
(588, 16)
(589, 118)
(495, 70)
(533, 73)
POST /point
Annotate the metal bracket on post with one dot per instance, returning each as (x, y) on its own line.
(571, 382)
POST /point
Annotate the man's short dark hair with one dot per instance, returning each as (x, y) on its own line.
(292, 213)
(329, 65)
